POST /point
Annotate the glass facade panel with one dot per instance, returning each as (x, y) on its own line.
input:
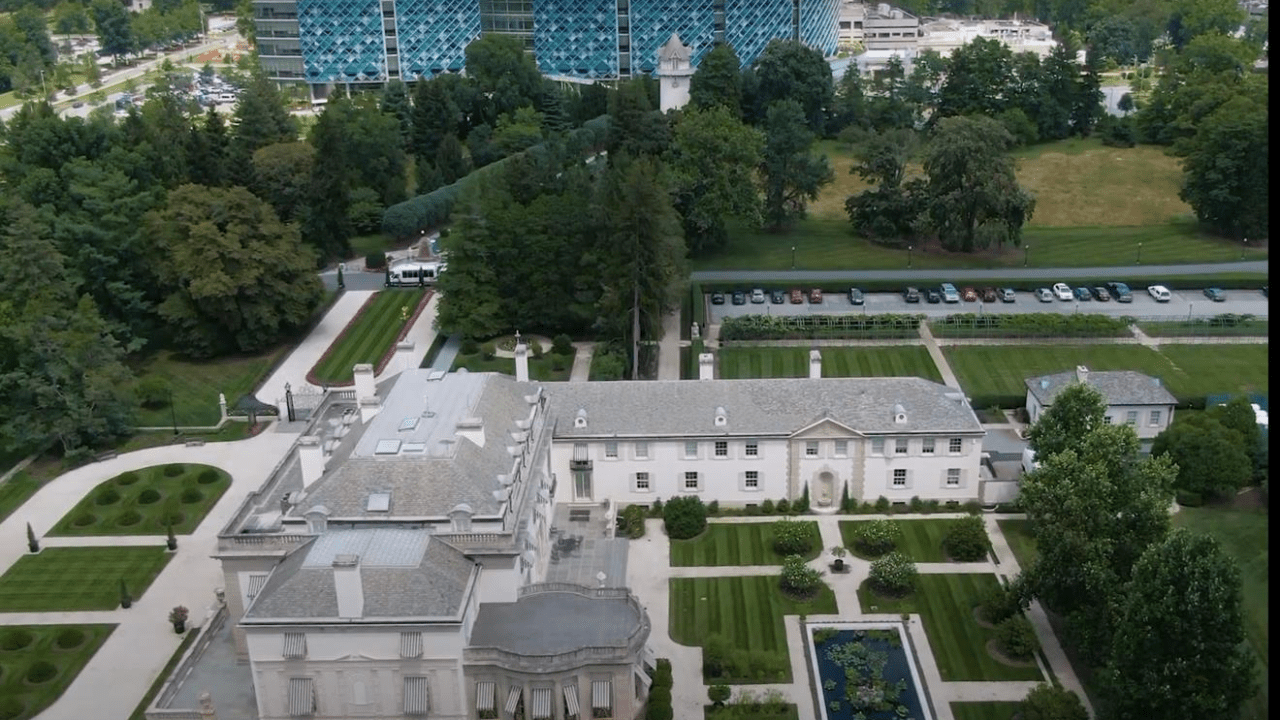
(818, 24)
(653, 21)
(433, 35)
(749, 25)
(342, 40)
(576, 38)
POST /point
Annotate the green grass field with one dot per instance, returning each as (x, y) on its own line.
(735, 544)
(765, 362)
(746, 610)
(543, 368)
(15, 491)
(945, 604)
(142, 502)
(984, 710)
(995, 374)
(56, 653)
(196, 384)
(79, 578)
(368, 337)
(1182, 328)
(737, 711)
(1018, 534)
(921, 540)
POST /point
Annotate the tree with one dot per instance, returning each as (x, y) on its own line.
(395, 102)
(1125, 104)
(1211, 459)
(1191, 18)
(281, 175)
(1237, 414)
(1076, 411)
(208, 151)
(70, 18)
(260, 120)
(1052, 702)
(555, 118)
(976, 77)
(787, 70)
(450, 161)
(236, 278)
(325, 223)
(1179, 646)
(504, 75)
(712, 161)
(435, 116)
(798, 578)
(792, 176)
(32, 543)
(718, 81)
(1226, 172)
(966, 539)
(115, 33)
(850, 105)
(973, 197)
(684, 517)
(635, 127)
(518, 130)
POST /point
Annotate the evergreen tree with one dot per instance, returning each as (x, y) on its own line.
(718, 81)
(325, 223)
(395, 102)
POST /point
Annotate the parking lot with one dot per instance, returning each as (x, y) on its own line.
(1183, 304)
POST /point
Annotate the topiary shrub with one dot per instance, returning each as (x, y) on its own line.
(11, 707)
(15, 639)
(84, 519)
(375, 260)
(792, 537)
(208, 476)
(126, 479)
(489, 350)
(148, 496)
(107, 497)
(128, 518)
(41, 671)
(1016, 638)
(153, 392)
(1052, 702)
(174, 470)
(882, 504)
(894, 574)
(916, 504)
(876, 537)
(713, 507)
(966, 539)
(70, 638)
(662, 676)
(660, 695)
(782, 507)
(798, 578)
(562, 344)
(191, 495)
(684, 517)
(631, 521)
(718, 694)
(766, 507)
(1002, 603)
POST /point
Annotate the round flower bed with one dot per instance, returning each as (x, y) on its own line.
(70, 639)
(207, 477)
(174, 470)
(84, 520)
(16, 639)
(128, 518)
(191, 495)
(148, 496)
(11, 708)
(41, 672)
(127, 479)
(107, 497)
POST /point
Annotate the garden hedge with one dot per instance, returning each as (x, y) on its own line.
(1030, 325)
(795, 327)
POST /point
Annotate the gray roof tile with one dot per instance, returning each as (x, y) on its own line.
(552, 623)
(1119, 387)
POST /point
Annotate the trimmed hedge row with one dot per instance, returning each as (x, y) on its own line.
(659, 704)
(1030, 325)
(784, 327)
(421, 213)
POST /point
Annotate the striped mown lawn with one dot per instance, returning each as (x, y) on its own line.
(147, 501)
(959, 644)
(1018, 534)
(984, 710)
(766, 362)
(369, 335)
(56, 652)
(79, 578)
(921, 540)
(735, 544)
(746, 610)
(1212, 369)
(756, 712)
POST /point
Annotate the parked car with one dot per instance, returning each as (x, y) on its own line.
(1120, 292)
(757, 296)
(969, 295)
(1006, 294)
(797, 296)
(1160, 293)
(911, 295)
(1062, 291)
(1044, 295)
(988, 294)
(932, 296)
(717, 298)
(739, 297)
(855, 296)
(815, 296)
(1082, 294)
(1215, 294)
(1100, 294)
(949, 293)
(777, 297)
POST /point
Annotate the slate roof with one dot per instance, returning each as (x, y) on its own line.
(404, 573)
(1119, 387)
(552, 623)
(778, 406)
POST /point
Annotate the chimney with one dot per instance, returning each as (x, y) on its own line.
(369, 406)
(346, 582)
(815, 364)
(404, 356)
(472, 429)
(522, 363)
(311, 458)
(706, 366)
(364, 381)
(1082, 374)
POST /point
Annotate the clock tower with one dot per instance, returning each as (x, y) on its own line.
(674, 71)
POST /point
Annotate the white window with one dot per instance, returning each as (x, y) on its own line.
(900, 446)
(1131, 417)
(752, 481)
(611, 450)
(877, 446)
(956, 445)
(691, 481)
(691, 449)
(642, 451)
(1106, 419)
(752, 449)
(642, 482)
(926, 446)
(842, 448)
(722, 448)
(900, 478)
(1155, 417)
(953, 477)
(811, 448)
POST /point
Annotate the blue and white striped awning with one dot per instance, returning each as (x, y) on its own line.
(601, 695)
(513, 698)
(416, 699)
(571, 699)
(295, 646)
(485, 692)
(540, 703)
(302, 701)
(410, 644)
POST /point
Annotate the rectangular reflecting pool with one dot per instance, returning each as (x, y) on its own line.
(865, 670)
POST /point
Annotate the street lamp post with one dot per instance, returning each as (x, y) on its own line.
(909, 249)
(793, 257)
(1026, 250)
(1139, 260)
(1246, 247)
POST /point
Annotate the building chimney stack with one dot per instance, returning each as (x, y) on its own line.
(815, 363)
(404, 354)
(346, 582)
(364, 381)
(311, 459)
(706, 366)
(522, 362)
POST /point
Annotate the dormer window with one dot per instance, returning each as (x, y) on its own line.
(899, 415)
(580, 421)
(722, 418)
(460, 518)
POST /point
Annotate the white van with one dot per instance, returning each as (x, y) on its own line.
(1029, 461)
(412, 272)
(226, 98)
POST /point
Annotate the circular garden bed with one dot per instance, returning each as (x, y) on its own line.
(147, 501)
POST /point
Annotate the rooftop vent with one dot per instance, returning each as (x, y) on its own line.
(1044, 383)
(387, 447)
(409, 423)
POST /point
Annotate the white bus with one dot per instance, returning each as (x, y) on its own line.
(414, 272)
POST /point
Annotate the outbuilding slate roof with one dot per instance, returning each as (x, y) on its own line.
(778, 406)
(1118, 387)
(553, 623)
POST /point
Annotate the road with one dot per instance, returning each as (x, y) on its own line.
(959, 274)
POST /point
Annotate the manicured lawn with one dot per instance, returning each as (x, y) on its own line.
(15, 491)
(746, 610)
(196, 384)
(921, 540)
(369, 335)
(766, 362)
(984, 710)
(735, 544)
(543, 368)
(143, 502)
(735, 711)
(1242, 535)
(994, 374)
(79, 578)
(1183, 328)
(55, 652)
(230, 432)
(945, 604)
(1018, 534)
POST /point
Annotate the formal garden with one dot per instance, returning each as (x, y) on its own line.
(370, 337)
(929, 541)
(748, 544)
(865, 672)
(80, 578)
(39, 662)
(767, 362)
(147, 501)
(546, 363)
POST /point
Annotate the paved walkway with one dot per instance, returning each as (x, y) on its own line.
(582, 361)
(302, 358)
(669, 347)
(940, 360)
(648, 567)
(121, 672)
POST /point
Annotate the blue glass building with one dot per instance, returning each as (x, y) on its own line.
(367, 42)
